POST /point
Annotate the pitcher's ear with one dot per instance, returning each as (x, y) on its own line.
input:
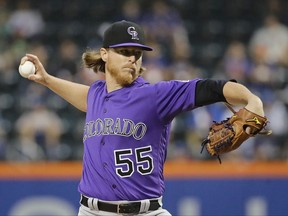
(104, 54)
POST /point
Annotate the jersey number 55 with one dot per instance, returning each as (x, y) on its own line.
(126, 162)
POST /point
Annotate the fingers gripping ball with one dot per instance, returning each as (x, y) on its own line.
(228, 135)
(26, 69)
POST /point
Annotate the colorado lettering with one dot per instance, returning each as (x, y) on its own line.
(109, 126)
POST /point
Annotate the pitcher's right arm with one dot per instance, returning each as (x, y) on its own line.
(74, 93)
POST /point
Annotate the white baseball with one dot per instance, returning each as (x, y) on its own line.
(26, 69)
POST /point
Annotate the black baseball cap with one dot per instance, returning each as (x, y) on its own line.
(125, 33)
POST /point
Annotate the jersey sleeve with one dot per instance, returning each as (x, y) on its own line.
(174, 97)
(95, 89)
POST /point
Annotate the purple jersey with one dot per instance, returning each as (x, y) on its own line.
(126, 136)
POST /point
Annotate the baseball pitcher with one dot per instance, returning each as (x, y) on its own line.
(128, 122)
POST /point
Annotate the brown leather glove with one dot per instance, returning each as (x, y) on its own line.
(228, 135)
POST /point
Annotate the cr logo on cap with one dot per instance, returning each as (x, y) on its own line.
(131, 31)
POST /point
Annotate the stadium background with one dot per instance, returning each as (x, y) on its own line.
(41, 135)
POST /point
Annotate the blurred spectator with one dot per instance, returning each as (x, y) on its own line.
(166, 28)
(269, 51)
(39, 134)
(276, 113)
(155, 64)
(68, 56)
(39, 129)
(131, 11)
(236, 63)
(269, 44)
(25, 21)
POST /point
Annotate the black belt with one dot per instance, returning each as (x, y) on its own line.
(123, 208)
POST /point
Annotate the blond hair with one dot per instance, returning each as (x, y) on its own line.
(92, 59)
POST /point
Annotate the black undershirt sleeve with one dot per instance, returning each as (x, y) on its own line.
(209, 91)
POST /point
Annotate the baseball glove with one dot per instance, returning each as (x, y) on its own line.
(229, 134)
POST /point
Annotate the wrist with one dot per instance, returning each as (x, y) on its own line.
(47, 80)
(255, 105)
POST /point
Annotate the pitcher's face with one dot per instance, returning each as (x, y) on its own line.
(124, 64)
